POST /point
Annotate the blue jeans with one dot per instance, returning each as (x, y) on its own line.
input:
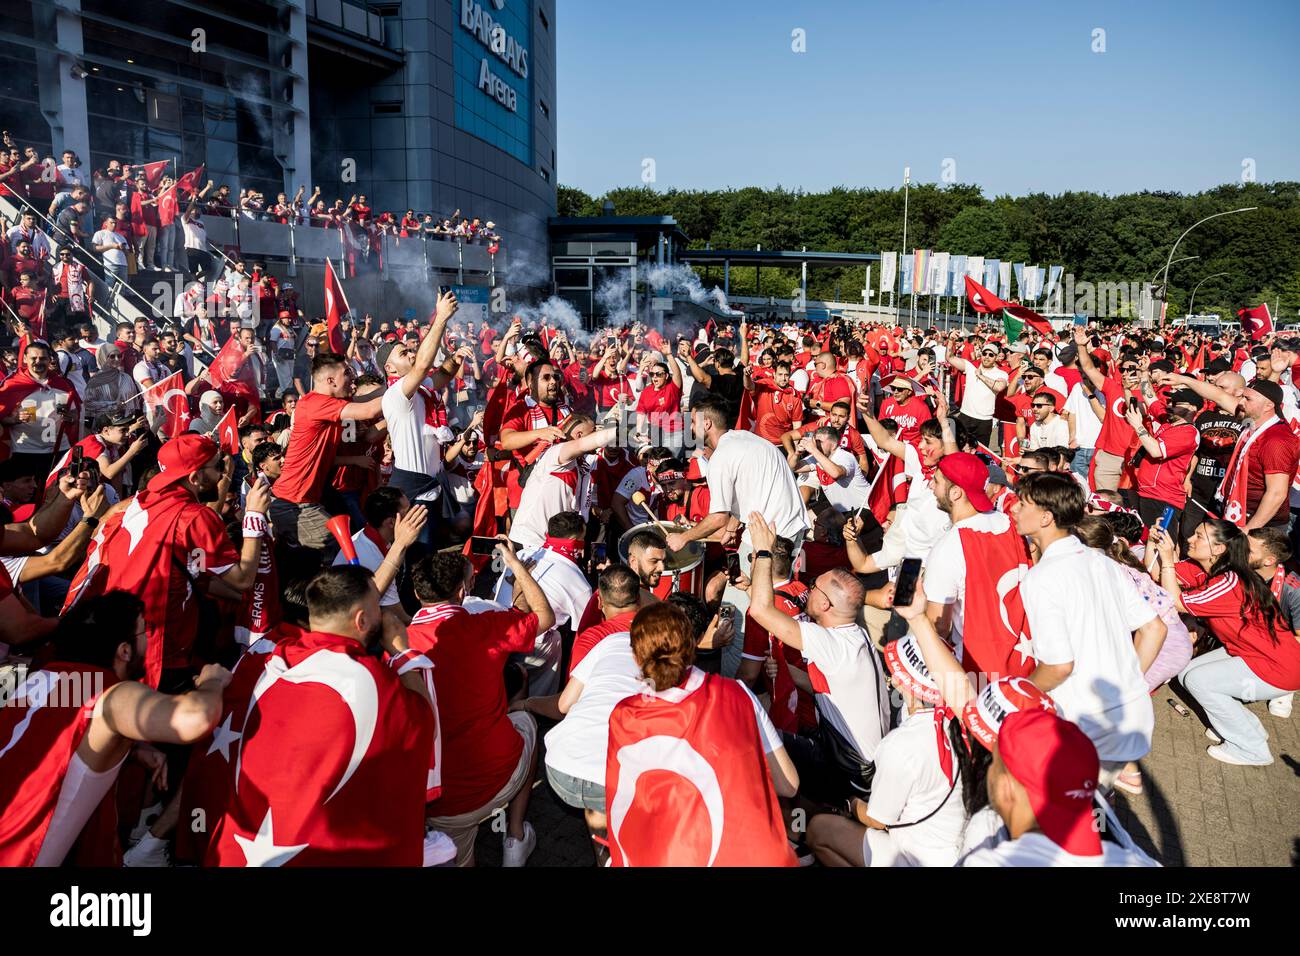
(1081, 460)
(583, 794)
(1218, 682)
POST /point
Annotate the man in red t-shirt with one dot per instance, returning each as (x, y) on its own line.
(906, 408)
(1169, 449)
(323, 418)
(828, 385)
(489, 756)
(778, 405)
(1117, 441)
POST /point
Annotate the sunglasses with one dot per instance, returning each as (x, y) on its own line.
(1043, 405)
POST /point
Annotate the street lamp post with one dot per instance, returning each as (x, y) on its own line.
(1192, 301)
(907, 185)
(1169, 261)
(1164, 286)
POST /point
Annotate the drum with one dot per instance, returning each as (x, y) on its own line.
(683, 570)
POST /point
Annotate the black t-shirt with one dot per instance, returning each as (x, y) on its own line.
(1219, 433)
(175, 362)
(728, 387)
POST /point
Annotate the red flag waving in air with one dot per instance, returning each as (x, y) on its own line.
(153, 172)
(227, 435)
(189, 183)
(981, 299)
(336, 304)
(1257, 321)
(687, 782)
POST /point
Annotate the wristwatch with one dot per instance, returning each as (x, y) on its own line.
(762, 554)
(92, 521)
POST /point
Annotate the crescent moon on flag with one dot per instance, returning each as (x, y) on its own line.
(341, 674)
(674, 755)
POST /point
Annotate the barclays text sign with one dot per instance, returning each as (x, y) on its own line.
(493, 88)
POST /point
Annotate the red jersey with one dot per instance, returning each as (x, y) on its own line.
(1117, 436)
(1162, 478)
(778, 410)
(1273, 658)
(662, 407)
(313, 443)
(480, 746)
(909, 415)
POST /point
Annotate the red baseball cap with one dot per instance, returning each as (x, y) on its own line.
(180, 458)
(1057, 765)
(970, 474)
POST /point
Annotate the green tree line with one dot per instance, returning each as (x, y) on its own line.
(1097, 238)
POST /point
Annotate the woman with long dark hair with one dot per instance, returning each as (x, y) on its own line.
(1260, 656)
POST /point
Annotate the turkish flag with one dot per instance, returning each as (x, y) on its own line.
(332, 764)
(889, 487)
(227, 435)
(189, 183)
(42, 724)
(153, 172)
(336, 304)
(981, 299)
(1257, 321)
(672, 756)
(995, 635)
(167, 397)
(745, 419)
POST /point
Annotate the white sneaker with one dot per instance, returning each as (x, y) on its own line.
(1281, 706)
(150, 851)
(438, 848)
(1218, 753)
(148, 817)
(1210, 732)
(515, 853)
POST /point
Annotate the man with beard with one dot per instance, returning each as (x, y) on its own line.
(162, 542)
(838, 419)
(778, 406)
(534, 424)
(646, 553)
(70, 726)
(1117, 439)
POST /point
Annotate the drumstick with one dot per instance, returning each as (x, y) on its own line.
(639, 499)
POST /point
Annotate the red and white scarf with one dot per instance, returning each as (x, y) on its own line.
(1236, 480)
(566, 547)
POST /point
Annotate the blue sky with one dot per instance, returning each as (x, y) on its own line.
(1009, 90)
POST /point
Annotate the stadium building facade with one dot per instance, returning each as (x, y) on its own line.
(430, 105)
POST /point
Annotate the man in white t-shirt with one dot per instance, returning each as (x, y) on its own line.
(832, 470)
(559, 481)
(847, 675)
(149, 371)
(1042, 783)
(112, 246)
(984, 383)
(1084, 613)
(746, 474)
(555, 567)
(1048, 429)
(417, 442)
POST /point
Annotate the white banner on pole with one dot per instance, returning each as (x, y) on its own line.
(888, 271)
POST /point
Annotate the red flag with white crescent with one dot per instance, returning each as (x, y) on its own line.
(995, 633)
(327, 727)
(889, 487)
(336, 304)
(227, 435)
(189, 183)
(981, 299)
(153, 172)
(1257, 321)
(672, 756)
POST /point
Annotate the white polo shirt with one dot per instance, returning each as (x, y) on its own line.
(848, 679)
(1082, 608)
(747, 474)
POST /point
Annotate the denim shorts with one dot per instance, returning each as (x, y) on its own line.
(582, 794)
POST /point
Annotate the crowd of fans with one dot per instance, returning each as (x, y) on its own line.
(857, 594)
(107, 218)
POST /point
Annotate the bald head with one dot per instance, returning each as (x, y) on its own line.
(846, 589)
(1232, 382)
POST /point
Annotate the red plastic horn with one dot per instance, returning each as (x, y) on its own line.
(341, 527)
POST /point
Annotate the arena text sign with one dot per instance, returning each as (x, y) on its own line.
(494, 38)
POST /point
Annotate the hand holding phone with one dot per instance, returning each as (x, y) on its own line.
(905, 587)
